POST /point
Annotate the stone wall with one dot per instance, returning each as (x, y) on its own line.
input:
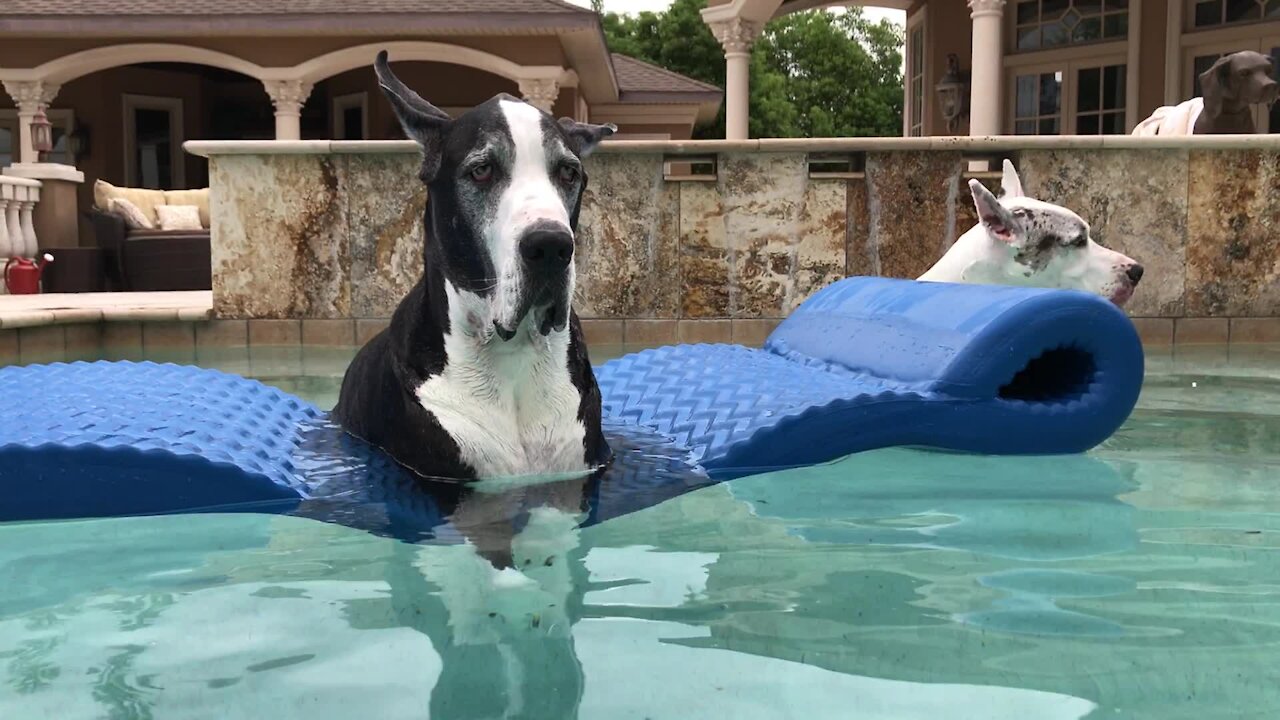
(332, 230)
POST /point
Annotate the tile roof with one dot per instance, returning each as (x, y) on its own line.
(637, 76)
(283, 7)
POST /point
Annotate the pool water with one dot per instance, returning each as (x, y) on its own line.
(1139, 581)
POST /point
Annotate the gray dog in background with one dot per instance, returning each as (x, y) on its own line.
(1231, 87)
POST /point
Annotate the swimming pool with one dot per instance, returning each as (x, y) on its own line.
(1139, 581)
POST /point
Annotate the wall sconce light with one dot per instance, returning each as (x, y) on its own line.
(953, 94)
(41, 134)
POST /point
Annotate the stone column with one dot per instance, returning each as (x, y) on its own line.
(540, 92)
(14, 225)
(288, 97)
(31, 96)
(6, 242)
(28, 229)
(737, 36)
(987, 68)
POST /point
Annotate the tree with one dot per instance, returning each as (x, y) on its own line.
(813, 74)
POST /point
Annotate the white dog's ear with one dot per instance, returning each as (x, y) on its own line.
(999, 222)
(1010, 183)
(584, 137)
(423, 122)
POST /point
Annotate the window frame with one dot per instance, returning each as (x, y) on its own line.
(1069, 64)
(1261, 42)
(1011, 32)
(177, 134)
(338, 108)
(64, 117)
(1189, 20)
(916, 21)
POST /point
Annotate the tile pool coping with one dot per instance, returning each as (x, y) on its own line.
(44, 327)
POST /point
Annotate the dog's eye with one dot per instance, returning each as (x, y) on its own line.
(568, 174)
(482, 173)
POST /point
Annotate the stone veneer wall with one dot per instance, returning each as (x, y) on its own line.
(332, 230)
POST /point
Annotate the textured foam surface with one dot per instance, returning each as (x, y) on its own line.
(865, 363)
(874, 362)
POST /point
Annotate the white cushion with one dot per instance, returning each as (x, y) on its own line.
(179, 217)
(132, 214)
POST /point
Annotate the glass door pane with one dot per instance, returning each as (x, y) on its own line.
(153, 143)
(8, 146)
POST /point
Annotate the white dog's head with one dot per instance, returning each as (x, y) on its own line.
(1038, 244)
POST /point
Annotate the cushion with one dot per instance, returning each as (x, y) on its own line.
(179, 217)
(199, 198)
(133, 216)
(145, 200)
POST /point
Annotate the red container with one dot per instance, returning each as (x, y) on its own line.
(22, 276)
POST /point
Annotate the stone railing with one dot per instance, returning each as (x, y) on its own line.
(676, 234)
(18, 198)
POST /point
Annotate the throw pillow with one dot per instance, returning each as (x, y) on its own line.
(133, 216)
(179, 217)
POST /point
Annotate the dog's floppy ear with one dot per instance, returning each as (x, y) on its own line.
(1010, 183)
(584, 137)
(423, 122)
(996, 218)
(1213, 85)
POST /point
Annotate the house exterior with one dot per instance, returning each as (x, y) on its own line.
(1060, 67)
(126, 82)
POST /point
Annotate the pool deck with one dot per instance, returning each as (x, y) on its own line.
(19, 311)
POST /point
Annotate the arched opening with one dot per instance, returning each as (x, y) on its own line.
(350, 106)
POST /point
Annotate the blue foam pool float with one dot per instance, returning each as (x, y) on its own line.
(864, 363)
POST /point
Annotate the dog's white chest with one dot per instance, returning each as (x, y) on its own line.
(510, 413)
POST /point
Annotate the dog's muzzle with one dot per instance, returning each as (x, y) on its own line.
(546, 253)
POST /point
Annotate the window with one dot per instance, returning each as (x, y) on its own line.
(1071, 98)
(63, 122)
(915, 85)
(1199, 58)
(1100, 100)
(1038, 104)
(350, 117)
(153, 143)
(1040, 24)
(1216, 13)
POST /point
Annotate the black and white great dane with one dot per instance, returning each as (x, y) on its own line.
(483, 371)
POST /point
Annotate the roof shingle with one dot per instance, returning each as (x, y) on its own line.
(637, 76)
(282, 7)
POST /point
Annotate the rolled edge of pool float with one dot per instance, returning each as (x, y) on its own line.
(873, 362)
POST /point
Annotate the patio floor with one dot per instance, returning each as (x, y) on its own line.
(18, 311)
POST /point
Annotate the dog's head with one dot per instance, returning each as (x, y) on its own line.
(506, 181)
(1237, 81)
(1039, 244)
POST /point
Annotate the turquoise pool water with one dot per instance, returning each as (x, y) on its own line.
(1139, 581)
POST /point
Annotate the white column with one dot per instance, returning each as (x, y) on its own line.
(288, 97)
(737, 36)
(14, 224)
(987, 68)
(540, 92)
(6, 243)
(28, 229)
(31, 96)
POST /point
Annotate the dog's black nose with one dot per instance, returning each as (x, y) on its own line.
(1134, 273)
(547, 250)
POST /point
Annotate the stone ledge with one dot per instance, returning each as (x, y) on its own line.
(23, 311)
(977, 145)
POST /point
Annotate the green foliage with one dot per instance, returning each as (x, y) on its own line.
(813, 74)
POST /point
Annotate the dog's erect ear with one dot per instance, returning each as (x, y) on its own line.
(584, 137)
(1010, 183)
(423, 122)
(999, 222)
(1214, 85)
